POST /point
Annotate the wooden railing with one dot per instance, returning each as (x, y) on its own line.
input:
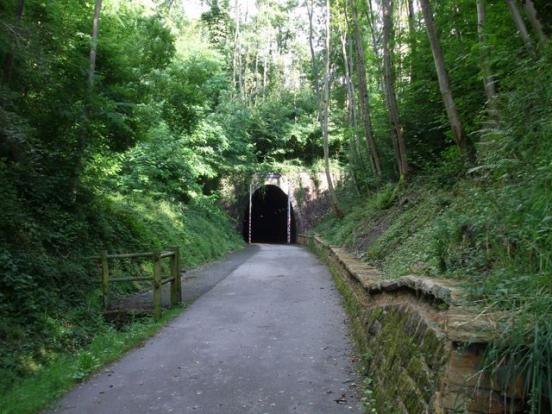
(156, 278)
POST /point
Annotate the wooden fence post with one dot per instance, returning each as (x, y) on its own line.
(178, 278)
(174, 276)
(156, 286)
(105, 279)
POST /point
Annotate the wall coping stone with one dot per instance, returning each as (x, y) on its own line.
(460, 322)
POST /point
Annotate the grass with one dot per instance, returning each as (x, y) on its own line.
(37, 392)
(494, 237)
(50, 302)
(391, 229)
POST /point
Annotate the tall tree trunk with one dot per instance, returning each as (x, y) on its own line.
(351, 102)
(520, 24)
(256, 74)
(354, 113)
(412, 36)
(8, 62)
(314, 68)
(452, 113)
(265, 70)
(83, 135)
(389, 84)
(325, 116)
(243, 73)
(372, 22)
(363, 96)
(236, 66)
(94, 44)
(345, 43)
(536, 24)
(488, 81)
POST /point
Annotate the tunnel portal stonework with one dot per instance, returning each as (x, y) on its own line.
(305, 193)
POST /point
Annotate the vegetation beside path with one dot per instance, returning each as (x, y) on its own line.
(54, 317)
(124, 125)
(36, 392)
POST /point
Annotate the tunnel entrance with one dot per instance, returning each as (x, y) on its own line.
(269, 217)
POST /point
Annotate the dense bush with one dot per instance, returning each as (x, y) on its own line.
(49, 291)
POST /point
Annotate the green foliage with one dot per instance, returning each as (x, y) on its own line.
(35, 393)
(50, 293)
(176, 108)
(490, 228)
(82, 171)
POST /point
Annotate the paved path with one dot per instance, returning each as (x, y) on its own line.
(269, 338)
(195, 282)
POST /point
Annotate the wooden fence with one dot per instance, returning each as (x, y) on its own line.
(156, 278)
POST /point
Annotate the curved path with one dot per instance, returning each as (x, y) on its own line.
(271, 337)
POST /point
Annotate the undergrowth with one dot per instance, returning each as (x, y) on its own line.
(50, 304)
(36, 392)
(489, 226)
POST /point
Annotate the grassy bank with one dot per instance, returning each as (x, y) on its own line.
(471, 231)
(50, 307)
(37, 391)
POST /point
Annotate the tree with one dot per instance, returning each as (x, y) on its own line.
(325, 114)
(8, 62)
(411, 36)
(389, 87)
(442, 75)
(520, 24)
(94, 43)
(87, 110)
(536, 24)
(346, 52)
(237, 76)
(351, 101)
(314, 68)
(488, 80)
(363, 96)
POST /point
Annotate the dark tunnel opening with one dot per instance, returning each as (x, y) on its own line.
(269, 223)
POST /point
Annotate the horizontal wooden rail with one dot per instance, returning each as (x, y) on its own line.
(130, 279)
(156, 279)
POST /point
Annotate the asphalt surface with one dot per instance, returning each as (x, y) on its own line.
(271, 337)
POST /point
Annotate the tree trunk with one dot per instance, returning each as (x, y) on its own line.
(83, 136)
(325, 115)
(265, 73)
(412, 36)
(94, 44)
(236, 66)
(314, 68)
(256, 74)
(389, 85)
(363, 97)
(372, 23)
(243, 73)
(520, 24)
(438, 57)
(345, 42)
(351, 102)
(8, 62)
(354, 113)
(488, 81)
(536, 24)
(348, 83)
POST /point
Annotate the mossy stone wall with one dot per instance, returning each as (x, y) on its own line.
(414, 355)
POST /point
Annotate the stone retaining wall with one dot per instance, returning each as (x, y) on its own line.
(421, 344)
